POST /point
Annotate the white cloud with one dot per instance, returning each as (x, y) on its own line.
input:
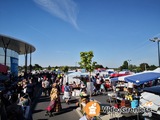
(64, 9)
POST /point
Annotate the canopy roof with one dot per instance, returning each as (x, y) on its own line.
(17, 45)
(121, 78)
(78, 74)
(143, 77)
(154, 89)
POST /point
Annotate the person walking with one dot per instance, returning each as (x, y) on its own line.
(46, 86)
(55, 103)
(55, 96)
(67, 93)
(14, 111)
(30, 89)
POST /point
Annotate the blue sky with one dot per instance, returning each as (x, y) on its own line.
(115, 30)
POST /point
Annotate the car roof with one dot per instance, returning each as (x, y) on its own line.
(154, 89)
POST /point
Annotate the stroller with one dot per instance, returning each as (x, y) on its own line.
(51, 108)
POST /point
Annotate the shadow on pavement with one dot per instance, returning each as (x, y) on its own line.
(42, 119)
(36, 111)
(43, 99)
(65, 110)
(73, 100)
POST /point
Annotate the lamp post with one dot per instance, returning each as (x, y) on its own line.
(156, 39)
(128, 63)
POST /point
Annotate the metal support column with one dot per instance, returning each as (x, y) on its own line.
(158, 53)
(26, 57)
(5, 50)
(30, 61)
(25, 63)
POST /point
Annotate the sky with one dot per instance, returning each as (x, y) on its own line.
(115, 30)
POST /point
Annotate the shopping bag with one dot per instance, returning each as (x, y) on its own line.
(62, 88)
(51, 105)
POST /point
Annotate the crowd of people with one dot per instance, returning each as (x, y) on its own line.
(18, 95)
(53, 86)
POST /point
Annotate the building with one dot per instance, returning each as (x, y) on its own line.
(10, 49)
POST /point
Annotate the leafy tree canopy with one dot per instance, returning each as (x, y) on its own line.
(86, 61)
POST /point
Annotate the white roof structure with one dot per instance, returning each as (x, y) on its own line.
(16, 45)
(19, 46)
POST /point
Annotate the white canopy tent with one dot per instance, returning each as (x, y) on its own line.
(75, 76)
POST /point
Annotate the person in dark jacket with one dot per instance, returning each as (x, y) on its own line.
(14, 111)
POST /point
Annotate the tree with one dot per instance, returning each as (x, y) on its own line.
(152, 67)
(37, 67)
(124, 66)
(86, 61)
(49, 67)
(106, 67)
(53, 68)
(138, 69)
(133, 68)
(65, 69)
(56, 67)
(98, 66)
(144, 66)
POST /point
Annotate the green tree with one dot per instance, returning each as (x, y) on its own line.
(65, 69)
(37, 67)
(49, 67)
(144, 66)
(56, 67)
(98, 66)
(133, 68)
(124, 66)
(138, 69)
(152, 67)
(86, 61)
(53, 69)
(106, 67)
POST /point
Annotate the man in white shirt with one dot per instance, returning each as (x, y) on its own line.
(46, 86)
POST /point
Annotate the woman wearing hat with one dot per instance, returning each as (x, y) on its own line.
(55, 104)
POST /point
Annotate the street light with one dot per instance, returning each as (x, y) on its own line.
(156, 39)
(128, 63)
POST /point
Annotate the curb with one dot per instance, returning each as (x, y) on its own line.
(78, 112)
